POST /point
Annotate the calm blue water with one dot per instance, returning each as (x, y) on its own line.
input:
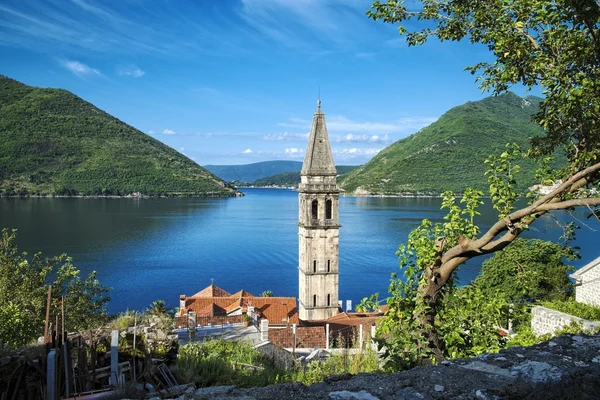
(149, 249)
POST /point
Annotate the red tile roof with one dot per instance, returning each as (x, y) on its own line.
(212, 291)
(278, 310)
(242, 293)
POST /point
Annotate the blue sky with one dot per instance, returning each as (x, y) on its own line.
(236, 81)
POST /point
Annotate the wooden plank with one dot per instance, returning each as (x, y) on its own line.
(46, 333)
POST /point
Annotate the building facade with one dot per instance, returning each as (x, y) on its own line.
(587, 283)
(319, 227)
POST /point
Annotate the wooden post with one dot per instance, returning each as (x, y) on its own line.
(62, 309)
(68, 363)
(46, 333)
(93, 360)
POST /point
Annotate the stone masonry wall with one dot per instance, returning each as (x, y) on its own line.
(306, 337)
(545, 320)
(588, 291)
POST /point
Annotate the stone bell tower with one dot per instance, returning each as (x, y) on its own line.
(319, 227)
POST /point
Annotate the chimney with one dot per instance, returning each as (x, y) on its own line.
(182, 304)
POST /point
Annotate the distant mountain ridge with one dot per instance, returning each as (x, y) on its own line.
(450, 153)
(292, 179)
(55, 143)
(251, 172)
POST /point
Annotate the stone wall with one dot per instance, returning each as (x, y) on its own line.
(587, 289)
(545, 320)
(307, 337)
(566, 367)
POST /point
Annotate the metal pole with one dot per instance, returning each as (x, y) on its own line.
(114, 358)
(134, 347)
(327, 336)
(294, 348)
(51, 376)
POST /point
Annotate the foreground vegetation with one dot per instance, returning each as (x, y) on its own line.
(24, 285)
(550, 45)
(54, 143)
(213, 363)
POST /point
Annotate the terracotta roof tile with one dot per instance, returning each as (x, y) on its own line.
(212, 291)
(242, 293)
(278, 310)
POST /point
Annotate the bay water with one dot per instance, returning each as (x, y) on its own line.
(160, 248)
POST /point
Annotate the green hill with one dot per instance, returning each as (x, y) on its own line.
(53, 142)
(292, 179)
(449, 154)
(254, 171)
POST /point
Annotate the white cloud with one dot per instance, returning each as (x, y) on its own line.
(286, 136)
(151, 132)
(181, 149)
(375, 130)
(131, 70)
(293, 150)
(355, 152)
(362, 138)
(247, 151)
(169, 132)
(79, 68)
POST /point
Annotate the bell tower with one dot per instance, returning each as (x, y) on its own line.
(318, 227)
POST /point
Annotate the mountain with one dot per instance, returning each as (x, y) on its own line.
(53, 142)
(252, 172)
(292, 179)
(450, 153)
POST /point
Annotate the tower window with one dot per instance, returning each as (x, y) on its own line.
(315, 209)
(328, 209)
(314, 300)
(328, 265)
(328, 300)
(315, 266)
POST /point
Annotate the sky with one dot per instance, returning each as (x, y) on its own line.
(237, 81)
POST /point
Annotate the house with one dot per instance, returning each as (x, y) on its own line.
(214, 305)
(587, 283)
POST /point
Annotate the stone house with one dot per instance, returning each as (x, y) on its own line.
(587, 283)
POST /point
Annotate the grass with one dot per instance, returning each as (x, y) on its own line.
(211, 364)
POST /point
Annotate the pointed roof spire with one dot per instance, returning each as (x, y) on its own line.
(318, 159)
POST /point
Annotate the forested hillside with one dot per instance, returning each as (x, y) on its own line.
(254, 171)
(53, 142)
(292, 179)
(450, 153)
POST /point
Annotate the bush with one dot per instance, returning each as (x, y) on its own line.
(574, 308)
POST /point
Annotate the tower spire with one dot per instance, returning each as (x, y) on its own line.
(318, 226)
(318, 158)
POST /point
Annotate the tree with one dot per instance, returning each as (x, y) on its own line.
(536, 43)
(528, 271)
(267, 293)
(23, 292)
(157, 308)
